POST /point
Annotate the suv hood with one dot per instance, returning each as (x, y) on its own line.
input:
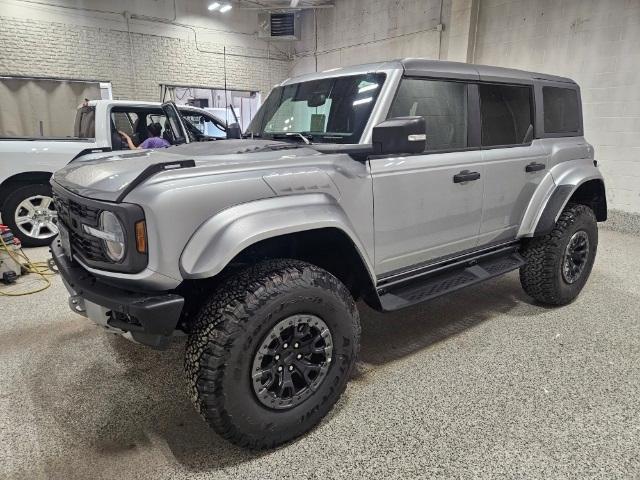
(105, 177)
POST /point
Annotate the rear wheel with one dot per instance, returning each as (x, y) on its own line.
(271, 352)
(558, 264)
(29, 212)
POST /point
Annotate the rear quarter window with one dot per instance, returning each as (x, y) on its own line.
(561, 110)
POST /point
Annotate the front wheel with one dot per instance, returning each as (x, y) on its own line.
(271, 352)
(558, 264)
(29, 212)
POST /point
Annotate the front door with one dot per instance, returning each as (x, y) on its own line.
(429, 205)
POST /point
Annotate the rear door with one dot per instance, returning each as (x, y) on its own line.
(430, 205)
(514, 164)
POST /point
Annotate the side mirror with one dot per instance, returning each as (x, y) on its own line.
(400, 135)
(234, 131)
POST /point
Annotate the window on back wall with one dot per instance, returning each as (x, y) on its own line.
(561, 110)
(506, 115)
(443, 105)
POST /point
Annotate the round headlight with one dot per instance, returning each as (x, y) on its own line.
(113, 239)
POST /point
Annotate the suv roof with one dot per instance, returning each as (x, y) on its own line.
(438, 68)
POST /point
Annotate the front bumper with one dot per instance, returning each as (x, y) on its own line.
(150, 317)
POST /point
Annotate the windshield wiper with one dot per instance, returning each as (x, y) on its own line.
(306, 137)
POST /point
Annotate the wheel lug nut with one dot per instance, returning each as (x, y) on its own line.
(277, 357)
(286, 345)
(280, 368)
(296, 345)
(299, 356)
(290, 368)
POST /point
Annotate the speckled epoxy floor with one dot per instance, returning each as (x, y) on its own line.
(476, 384)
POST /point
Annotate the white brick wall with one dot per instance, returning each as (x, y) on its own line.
(33, 45)
(597, 44)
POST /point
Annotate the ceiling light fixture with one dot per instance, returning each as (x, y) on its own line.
(226, 8)
(213, 6)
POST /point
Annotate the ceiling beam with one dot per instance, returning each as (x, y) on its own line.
(285, 7)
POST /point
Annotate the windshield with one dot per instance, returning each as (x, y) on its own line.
(205, 125)
(331, 110)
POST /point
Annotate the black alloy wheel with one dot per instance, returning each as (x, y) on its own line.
(292, 361)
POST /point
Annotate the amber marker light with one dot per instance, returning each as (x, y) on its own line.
(141, 236)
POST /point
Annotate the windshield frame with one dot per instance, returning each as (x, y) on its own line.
(274, 101)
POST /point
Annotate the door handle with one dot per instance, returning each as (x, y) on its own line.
(535, 167)
(465, 176)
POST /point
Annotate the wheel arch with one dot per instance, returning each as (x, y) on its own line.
(22, 179)
(572, 182)
(592, 194)
(312, 228)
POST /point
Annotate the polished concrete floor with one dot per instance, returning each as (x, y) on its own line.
(478, 384)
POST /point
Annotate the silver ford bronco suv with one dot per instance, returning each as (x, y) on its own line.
(392, 183)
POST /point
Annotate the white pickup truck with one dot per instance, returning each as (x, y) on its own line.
(26, 163)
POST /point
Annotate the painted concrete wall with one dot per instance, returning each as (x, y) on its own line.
(360, 31)
(595, 42)
(91, 41)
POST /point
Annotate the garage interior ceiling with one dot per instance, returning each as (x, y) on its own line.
(285, 4)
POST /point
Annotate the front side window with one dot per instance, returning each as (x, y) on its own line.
(506, 115)
(330, 110)
(443, 104)
(561, 110)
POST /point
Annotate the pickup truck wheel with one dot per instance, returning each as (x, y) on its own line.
(271, 352)
(29, 212)
(558, 264)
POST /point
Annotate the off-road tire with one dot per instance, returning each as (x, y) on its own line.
(541, 277)
(20, 193)
(230, 327)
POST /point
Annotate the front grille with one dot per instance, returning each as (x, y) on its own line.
(74, 211)
(73, 215)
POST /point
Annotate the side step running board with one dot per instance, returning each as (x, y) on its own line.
(434, 284)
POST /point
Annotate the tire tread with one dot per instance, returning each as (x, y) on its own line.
(222, 320)
(539, 276)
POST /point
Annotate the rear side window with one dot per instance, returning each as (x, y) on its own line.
(561, 110)
(443, 105)
(506, 115)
